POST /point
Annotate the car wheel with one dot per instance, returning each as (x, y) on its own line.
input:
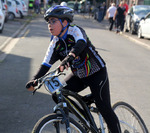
(21, 15)
(11, 16)
(6, 19)
(132, 28)
(140, 33)
(1, 30)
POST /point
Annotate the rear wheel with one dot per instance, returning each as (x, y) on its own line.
(1, 30)
(21, 15)
(130, 120)
(52, 123)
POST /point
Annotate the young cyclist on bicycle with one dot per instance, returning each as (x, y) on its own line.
(70, 44)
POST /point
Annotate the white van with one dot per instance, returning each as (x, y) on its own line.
(12, 10)
(2, 17)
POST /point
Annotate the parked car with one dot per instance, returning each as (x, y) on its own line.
(5, 9)
(22, 8)
(2, 18)
(144, 27)
(12, 10)
(71, 4)
(133, 17)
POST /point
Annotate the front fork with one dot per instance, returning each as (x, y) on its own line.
(62, 108)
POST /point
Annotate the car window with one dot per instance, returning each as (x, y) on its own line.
(71, 5)
(23, 3)
(17, 2)
(148, 16)
(142, 10)
(9, 3)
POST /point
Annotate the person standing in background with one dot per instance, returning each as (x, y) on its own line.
(125, 5)
(104, 10)
(37, 6)
(120, 17)
(110, 14)
(76, 7)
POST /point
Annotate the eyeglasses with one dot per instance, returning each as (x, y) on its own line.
(52, 22)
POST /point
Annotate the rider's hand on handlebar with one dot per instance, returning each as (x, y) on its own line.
(31, 84)
(63, 67)
(65, 64)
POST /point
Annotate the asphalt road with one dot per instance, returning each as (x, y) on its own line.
(127, 63)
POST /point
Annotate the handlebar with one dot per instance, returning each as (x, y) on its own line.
(48, 77)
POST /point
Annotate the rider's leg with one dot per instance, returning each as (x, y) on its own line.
(99, 85)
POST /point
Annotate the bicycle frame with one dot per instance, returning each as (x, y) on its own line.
(85, 117)
(65, 104)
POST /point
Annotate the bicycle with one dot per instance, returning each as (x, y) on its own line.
(82, 108)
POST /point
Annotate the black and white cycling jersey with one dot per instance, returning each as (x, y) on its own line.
(75, 40)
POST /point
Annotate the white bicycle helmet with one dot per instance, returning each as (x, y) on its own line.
(63, 3)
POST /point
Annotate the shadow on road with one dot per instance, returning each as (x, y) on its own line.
(18, 108)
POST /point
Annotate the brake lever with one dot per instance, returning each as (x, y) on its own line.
(36, 89)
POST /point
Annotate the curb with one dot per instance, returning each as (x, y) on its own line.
(137, 41)
(105, 24)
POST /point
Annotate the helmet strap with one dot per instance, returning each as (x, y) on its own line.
(63, 28)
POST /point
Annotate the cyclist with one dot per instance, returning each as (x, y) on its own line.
(70, 44)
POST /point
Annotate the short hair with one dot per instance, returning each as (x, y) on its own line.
(113, 4)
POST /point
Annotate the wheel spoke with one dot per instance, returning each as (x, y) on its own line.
(130, 120)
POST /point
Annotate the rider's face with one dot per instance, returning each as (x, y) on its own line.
(54, 26)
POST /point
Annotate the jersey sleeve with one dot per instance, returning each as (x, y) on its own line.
(78, 33)
(80, 40)
(51, 56)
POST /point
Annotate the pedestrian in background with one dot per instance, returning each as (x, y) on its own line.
(90, 10)
(110, 14)
(125, 5)
(37, 6)
(120, 17)
(104, 10)
(76, 7)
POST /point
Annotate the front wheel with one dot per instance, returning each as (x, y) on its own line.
(130, 120)
(52, 123)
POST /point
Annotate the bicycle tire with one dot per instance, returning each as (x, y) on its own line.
(44, 125)
(129, 124)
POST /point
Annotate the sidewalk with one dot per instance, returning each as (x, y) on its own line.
(105, 25)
